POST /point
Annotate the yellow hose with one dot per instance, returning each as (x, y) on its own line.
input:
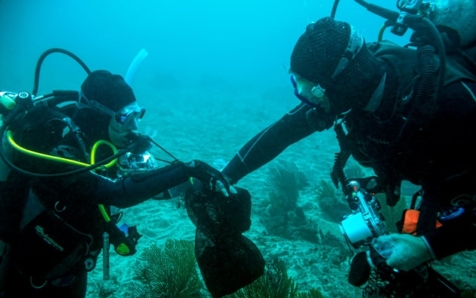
(102, 209)
(41, 155)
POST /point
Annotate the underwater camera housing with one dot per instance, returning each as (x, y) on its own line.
(368, 266)
(130, 163)
(365, 222)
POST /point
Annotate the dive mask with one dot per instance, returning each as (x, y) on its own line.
(128, 117)
(313, 96)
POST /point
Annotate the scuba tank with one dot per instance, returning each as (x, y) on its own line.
(7, 103)
(459, 15)
(4, 169)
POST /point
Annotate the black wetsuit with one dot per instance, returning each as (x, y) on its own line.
(75, 199)
(442, 160)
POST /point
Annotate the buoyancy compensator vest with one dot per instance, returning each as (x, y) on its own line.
(439, 59)
(405, 63)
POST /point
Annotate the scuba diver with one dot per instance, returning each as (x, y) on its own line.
(409, 113)
(71, 165)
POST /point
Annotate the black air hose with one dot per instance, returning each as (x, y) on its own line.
(425, 98)
(43, 57)
(334, 8)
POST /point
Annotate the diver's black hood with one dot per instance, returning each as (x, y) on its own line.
(109, 90)
(317, 54)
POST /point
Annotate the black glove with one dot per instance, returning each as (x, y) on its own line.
(210, 177)
(139, 143)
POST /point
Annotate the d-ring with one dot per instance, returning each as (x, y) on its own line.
(57, 209)
(37, 287)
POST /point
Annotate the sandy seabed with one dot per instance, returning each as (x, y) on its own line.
(212, 126)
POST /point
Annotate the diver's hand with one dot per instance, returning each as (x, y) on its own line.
(210, 177)
(408, 251)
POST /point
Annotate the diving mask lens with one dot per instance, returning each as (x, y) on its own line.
(130, 116)
(296, 92)
(312, 97)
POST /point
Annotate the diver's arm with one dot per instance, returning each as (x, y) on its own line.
(270, 142)
(458, 229)
(447, 240)
(458, 232)
(130, 191)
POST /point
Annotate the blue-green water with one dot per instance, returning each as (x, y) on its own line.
(215, 75)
